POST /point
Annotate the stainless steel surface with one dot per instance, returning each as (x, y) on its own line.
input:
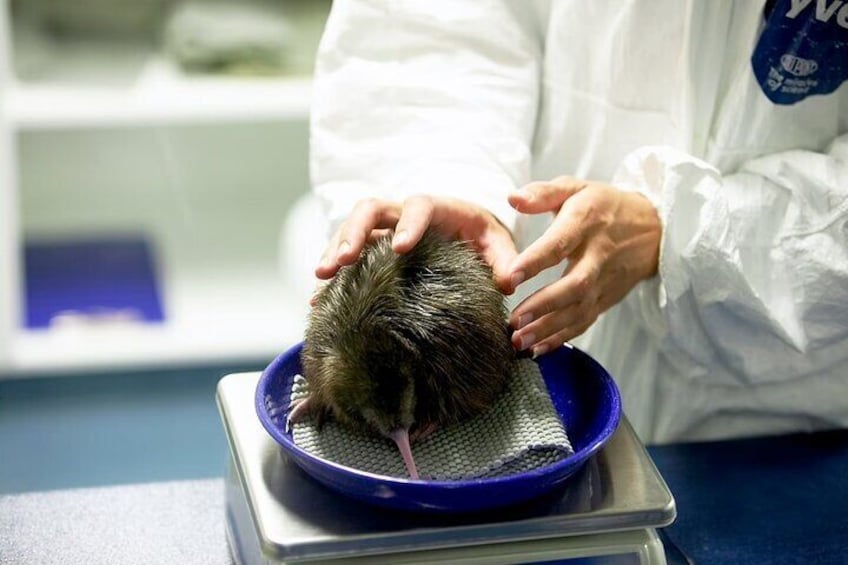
(295, 518)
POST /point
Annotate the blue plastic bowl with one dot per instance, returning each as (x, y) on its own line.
(583, 393)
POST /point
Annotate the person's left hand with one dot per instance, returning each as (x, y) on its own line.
(611, 240)
(455, 218)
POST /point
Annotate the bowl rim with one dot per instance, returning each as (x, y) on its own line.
(576, 459)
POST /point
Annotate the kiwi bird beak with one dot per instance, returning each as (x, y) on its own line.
(401, 438)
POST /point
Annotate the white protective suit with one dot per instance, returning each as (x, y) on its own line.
(744, 330)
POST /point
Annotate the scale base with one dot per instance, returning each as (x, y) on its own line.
(277, 514)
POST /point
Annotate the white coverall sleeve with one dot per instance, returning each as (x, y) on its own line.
(753, 274)
(434, 97)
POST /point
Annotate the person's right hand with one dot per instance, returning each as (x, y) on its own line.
(454, 218)
(611, 239)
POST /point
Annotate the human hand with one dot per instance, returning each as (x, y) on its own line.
(451, 217)
(611, 240)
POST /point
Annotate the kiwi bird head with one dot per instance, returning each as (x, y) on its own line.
(370, 388)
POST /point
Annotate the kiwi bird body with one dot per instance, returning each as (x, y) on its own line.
(407, 341)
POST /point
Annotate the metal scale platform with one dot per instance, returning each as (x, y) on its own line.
(276, 513)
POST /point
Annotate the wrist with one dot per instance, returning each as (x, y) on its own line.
(646, 229)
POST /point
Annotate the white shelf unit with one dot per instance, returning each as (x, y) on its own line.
(98, 138)
(160, 97)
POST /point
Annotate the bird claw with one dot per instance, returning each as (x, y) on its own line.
(299, 408)
(422, 433)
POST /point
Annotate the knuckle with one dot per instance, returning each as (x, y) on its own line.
(586, 315)
(535, 186)
(367, 205)
(569, 183)
(541, 310)
(418, 200)
(581, 328)
(553, 309)
(546, 308)
(597, 214)
(591, 211)
(477, 222)
(582, 287)
(563, 180)
(420, 207)
(561, 247)
(591, 215)
(561, 336)
(573, 330)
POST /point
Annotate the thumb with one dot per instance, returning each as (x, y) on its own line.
(545, 196)
(499, 252)
(502, 273)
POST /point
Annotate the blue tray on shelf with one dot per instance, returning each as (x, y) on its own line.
(91, 278)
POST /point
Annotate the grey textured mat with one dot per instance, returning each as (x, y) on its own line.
(522, 431)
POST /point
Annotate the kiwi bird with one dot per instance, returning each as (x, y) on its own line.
(404, 344)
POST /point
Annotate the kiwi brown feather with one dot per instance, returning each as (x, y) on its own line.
(400, 338)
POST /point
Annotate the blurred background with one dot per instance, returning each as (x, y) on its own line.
(153, 168)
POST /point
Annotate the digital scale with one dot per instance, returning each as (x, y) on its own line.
(607, 512)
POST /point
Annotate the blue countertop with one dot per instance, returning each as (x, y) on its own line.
(763, 500)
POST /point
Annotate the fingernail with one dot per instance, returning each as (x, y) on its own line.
(344, 247)
(540, 350)
(517, 279)
(524, 319)
(527, 340)
(401, 237)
